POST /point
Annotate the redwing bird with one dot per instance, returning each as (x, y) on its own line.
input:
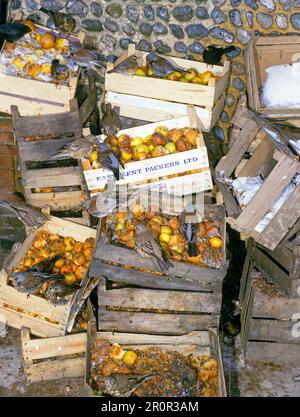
(32, 279)
(126, 67)
(62, 21)
(110, 122)
(189, 230)
(87, 59)
(124, 385)
(29, 216)
(213, 55)
(147, 246)
(60, 72)
(46, 266)
(162, 67)
(79, 148)
(11, 32)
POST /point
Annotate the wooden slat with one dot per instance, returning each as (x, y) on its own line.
(275, 274)
(228, 163)
(43, 125)
(271, 188)
(272, 307)
(53, 370)
(119, 255)
(175, 324)
(41, 150)
(66, 200)
(276, 230)
(147, 280)
(276, 353)
(53, 177)
(53, 347)
(196, 337)
(165, 300)
(280, 331)
(261, 160)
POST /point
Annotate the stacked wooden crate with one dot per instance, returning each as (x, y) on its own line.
(179, 173)
(34, 97)
(261, 53)
(43, 318)
(270, 318)
(152, 99)
(134, 297)
(258, 151)
(58, 185)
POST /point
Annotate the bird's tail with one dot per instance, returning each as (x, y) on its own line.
(64, 154)
(229, 49)
(49, 277)
(43, 10)
(118, 174)
(192, 249)
(164, 264)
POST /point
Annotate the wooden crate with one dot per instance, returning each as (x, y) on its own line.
(196, 343)
(34, 97)
(270, 322)
(191, 300)
(52, 358)
(254, 152)
(188, 93)
(261, 53)
(152, 110)
(40, 316)
(154, 170)
(66, 127)
(281, 266)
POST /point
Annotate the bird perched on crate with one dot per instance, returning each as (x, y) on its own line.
(110, 160)
(189, 229)
(126, 67)
(87, 59)
(213, 55)
(110, 122)
(29, 216)
(60, 293)
(79, 148)
(31, 280)
(11, 32)
(60, 72)
(123, 385)
(162, 67)
(147, 246)
(104, 203)
(62, 21)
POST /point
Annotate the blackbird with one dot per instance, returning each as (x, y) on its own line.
(31, 280)
(79, 148)
(213, 55)
(60, 72)
(110, 122)
(124, 385)
(162, 67)
(110, 160)
(11, 32)
(189, 230)
(87, 59)
(147, 246)
(29, 216)
(46, 265)
(62, 21)
(126, 67)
